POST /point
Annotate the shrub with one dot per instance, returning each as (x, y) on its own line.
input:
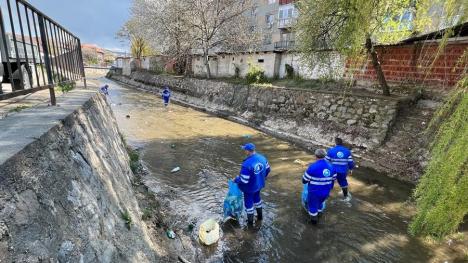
(66, 87)
(236, 71)
(289, 71)
(256, 74)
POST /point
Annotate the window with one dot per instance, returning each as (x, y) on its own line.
(261, 60)
(269, 20)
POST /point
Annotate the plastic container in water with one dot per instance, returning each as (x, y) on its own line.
(209, 232)
(175, 170)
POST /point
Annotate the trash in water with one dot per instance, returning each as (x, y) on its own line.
(209, 232)
(172, 146)
(128, 116)
(300, 162)
(170, 234)
(247, 136)
(175, 170)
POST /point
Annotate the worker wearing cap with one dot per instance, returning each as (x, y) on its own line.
(342, 160)
(319, 177)
(251, 181)
(166, 95)
(104, 89)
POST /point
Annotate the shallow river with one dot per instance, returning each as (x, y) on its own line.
(371, 228)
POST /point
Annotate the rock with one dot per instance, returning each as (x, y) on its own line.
(373, 109)
(128, 116)
(65, 250)
(351, 122)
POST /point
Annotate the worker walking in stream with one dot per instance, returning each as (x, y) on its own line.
(342, 160)
(251, 181)
(166, 96)
(319, 177)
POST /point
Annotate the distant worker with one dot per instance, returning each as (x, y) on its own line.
(104, 89)
(166, 95)
(319, 177)
(251, 181)
(342, 161)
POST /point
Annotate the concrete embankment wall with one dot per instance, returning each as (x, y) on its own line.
(309, 116)
(64, 182)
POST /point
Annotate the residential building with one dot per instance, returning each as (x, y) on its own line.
(273, 20)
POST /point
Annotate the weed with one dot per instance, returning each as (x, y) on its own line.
(127, 218)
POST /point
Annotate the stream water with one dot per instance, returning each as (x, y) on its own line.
(370, 228)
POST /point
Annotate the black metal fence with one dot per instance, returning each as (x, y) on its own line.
(36, 52)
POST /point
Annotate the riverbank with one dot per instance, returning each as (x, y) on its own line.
(385, 133)
(65, 191)
(372, 228)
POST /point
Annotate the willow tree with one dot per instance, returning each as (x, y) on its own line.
(350, 27)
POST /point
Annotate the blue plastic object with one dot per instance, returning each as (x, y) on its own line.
(233, 204)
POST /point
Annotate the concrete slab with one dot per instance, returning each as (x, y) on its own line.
(22, 128)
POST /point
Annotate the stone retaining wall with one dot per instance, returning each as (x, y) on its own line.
(314, 116)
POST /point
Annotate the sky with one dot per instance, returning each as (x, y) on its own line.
(93, 21)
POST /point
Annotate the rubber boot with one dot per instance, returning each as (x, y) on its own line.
(250, 219)
(314, 220)
(345, 192)
(259, 214)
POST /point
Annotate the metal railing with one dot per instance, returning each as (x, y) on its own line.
(286, 22)
(285, 45)
(36, 52)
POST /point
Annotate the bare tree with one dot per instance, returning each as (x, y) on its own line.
(179, 28)
(220, 25)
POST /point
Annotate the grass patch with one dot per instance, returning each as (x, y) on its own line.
(125, 215)
(19, 108)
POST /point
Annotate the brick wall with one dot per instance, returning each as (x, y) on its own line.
(412, 64)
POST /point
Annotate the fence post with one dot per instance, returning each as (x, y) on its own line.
(50, 79)
(82, 64)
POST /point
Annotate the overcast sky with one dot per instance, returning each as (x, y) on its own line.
(94, 21)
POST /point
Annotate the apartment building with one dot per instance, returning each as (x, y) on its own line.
(273, 20)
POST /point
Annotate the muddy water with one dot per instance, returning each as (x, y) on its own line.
(371, 228)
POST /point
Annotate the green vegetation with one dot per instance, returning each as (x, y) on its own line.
(19, 108)
(255, 74)
(147, 213)
(289, 71)
(67, 86)
(441, 197)
(134, 159)
(132, 154)
(125, 215)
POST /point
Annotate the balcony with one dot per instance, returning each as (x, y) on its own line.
(285, 45)
(286, 22)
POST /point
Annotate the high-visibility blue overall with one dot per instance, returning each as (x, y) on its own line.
(319, 177)
(166, 95)
(342, 160)
(251, 180)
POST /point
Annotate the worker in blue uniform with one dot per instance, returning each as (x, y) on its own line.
(319, 176)
(342, 160)
(166, 95)
(104, 89)
(251, 181)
